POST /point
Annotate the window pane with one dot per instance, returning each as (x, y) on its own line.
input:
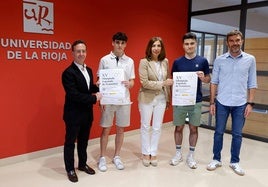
(199, 50)
(256, 43)
(209, 4)
(209, 51)
(257, 22)
(221, 46)
(219, 23)
(252, 1)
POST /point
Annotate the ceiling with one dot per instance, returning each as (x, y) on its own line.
(222, 23)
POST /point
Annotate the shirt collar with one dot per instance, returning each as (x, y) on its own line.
(113, 56)
(228, 55)
(81, 67)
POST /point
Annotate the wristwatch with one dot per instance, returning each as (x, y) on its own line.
(251, 103)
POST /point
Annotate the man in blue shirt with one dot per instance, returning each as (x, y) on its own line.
(190, 62)
(235, 81)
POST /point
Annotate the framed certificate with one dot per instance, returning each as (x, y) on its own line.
(111, 87)
(184, 88)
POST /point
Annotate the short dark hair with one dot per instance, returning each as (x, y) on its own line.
(189, 35)
(148, 51)
(75, 43)
(234, 32)
(120, 36)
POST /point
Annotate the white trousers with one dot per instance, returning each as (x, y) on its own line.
(154, 112)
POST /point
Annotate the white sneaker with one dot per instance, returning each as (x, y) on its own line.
(102, 164)
(176, 159)
(118, 163)
(214, 164)
(191, 162)
(237, 169)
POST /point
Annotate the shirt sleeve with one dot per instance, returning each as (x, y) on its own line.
(252, 78)
(215, 72)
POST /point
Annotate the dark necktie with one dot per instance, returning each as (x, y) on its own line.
(117, 59)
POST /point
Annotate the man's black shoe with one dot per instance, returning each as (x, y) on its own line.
(87, 169)
(72, 176)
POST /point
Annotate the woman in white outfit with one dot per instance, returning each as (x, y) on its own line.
(153, 97)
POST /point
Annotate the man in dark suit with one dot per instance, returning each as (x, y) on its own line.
(80, 95)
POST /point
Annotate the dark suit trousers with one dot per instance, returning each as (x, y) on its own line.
(81, 134)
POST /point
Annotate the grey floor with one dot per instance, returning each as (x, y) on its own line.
(48, 169)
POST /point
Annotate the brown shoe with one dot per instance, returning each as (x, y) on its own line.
(87, 169)
(72, 176)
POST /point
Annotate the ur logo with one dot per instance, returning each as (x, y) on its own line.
(38, 17)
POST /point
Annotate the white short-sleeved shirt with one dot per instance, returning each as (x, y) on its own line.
(126, 63)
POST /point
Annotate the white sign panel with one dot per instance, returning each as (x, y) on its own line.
(184, 88)
(111, 87)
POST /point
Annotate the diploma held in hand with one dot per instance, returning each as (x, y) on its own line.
(184, 88)
(111, 87)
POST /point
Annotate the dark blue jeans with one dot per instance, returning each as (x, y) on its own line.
(238, 121)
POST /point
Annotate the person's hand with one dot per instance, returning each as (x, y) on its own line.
(212, 109)
(248, 110)
(200, 75)
(168, 82)
(127, 84)
(98, 96)
(98, 83)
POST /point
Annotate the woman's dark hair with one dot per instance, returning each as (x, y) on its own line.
(148, 51)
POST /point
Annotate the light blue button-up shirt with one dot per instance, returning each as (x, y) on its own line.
(234, 76)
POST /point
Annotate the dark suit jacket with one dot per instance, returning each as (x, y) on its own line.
(78, 106)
